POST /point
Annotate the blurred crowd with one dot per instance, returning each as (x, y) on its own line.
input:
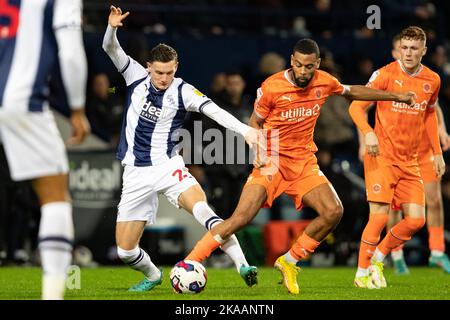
(340, 28)
(323, 18)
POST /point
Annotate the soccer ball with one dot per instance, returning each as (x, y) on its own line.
(188, 276)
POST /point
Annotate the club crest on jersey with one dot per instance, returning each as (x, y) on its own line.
(318, 93)
(426, 87)
(170, 99)
(150, 112)
(376, 188)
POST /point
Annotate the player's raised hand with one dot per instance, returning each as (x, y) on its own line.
(80, 127)
(116, 17)
(371, 142)
(408, 98)
(439, 165)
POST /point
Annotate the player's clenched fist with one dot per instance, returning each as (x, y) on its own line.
(116, 17)
(408, 98)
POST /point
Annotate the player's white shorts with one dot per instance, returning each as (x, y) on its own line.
(141, 186)
(33, 145)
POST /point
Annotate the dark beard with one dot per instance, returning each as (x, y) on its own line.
(302, 84)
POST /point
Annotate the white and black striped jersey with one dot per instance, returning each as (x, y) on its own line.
(152, 116)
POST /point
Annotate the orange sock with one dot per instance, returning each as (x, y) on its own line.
(370, 238)
(303, 246)
(400, 233)
(204, 247)
(436, 238)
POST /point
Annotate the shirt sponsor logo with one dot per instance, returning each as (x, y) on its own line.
(299, 113)
(150, 112)
(422, 106)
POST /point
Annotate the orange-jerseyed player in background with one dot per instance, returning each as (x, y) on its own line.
(288, 106)
(391, 166)
(433, 196)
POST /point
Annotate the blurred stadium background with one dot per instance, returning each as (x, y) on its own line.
(226, 49)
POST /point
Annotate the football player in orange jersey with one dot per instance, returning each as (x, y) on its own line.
(288, 106)
(391, 165)
(433, 197)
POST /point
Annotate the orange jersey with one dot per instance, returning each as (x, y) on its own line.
(399, 127)
(293, 111)
(426, 160)
(425, 147)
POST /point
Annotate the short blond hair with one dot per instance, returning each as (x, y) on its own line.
(413, 33)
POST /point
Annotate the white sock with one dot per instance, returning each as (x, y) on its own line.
(289, 258)
(437, 253)
(234, 251)
(55, 247)
(139, 260)
(397, 255)
(206, 217)
(53, 287)
(378, 256)
(362, 272)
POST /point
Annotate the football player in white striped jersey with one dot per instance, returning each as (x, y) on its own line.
(35, 38)
(156, 106)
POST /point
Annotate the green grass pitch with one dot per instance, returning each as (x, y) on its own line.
(225, 284)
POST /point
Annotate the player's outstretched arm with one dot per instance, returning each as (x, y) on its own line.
(368, 94)
(227, 120)
(111, 44)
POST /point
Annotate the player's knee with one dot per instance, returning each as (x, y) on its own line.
(415, 224)
(333, 214)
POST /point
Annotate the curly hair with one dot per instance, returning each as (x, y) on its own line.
(413, 33)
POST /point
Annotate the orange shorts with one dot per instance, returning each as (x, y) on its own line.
(294, 178)
(426, 165)
(389, 183)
